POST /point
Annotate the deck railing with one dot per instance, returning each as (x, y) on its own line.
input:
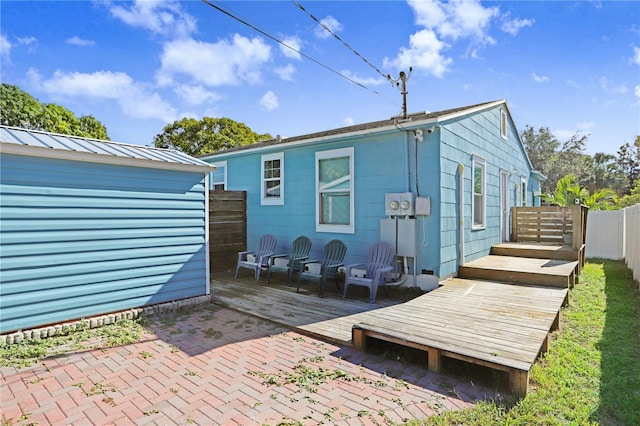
(550, 224)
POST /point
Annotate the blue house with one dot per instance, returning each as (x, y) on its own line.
(91, 227)
(438, 185)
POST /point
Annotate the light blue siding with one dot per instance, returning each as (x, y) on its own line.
(81, 239)
(379, 167)
(478, 134)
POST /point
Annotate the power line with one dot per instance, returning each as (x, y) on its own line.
(337, 37)
(253, 27)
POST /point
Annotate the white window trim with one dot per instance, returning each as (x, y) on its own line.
(482, 163)
(271, 201)
(343, 229)
(523, 191)
(503, 123)
(224, 182)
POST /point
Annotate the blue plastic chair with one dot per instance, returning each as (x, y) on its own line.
(258, 259)
(334, 252)
(380, 262)
(294, 261)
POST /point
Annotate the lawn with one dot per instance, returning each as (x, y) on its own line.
(591, 373)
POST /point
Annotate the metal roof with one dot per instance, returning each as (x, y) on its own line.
(33, 142)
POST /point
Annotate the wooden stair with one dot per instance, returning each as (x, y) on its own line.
(521, 270)
(536, 250)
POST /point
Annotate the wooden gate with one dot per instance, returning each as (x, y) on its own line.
(227, 228)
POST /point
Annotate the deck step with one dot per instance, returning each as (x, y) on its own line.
(535, 250)
(521, 270)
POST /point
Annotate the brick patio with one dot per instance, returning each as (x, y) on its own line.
(214, 366)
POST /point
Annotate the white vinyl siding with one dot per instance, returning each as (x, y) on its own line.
(272, 179)
(479, 199)
(335, 211)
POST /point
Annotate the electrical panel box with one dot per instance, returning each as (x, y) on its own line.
(400, 233)
(399, 204)
(423, 206)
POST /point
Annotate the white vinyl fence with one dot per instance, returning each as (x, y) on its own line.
(615, 235)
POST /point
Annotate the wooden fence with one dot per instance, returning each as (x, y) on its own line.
(227, 228)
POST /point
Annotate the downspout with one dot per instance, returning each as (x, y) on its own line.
(461, 175)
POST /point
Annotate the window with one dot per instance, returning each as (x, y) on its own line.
(334, 191)
(479, 201)
(503, 123)
(272, 188)
(523, 192)
(218, 178)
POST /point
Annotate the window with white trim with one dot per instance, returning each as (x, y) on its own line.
(479, 200)
(523, 192)
(503, 123)
(218, 177)
(334, 191)
(272, 179)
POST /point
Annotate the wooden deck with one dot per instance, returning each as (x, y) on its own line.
(497, 325)
(522, 270)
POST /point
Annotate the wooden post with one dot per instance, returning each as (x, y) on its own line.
(519, 380)
(359, 338)
(514, 224)
(434, 360)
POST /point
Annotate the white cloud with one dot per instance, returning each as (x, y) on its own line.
(269, 101)
(366, 81)
(574, 84)
(424, 52)
(27, 41)
(615, 89)
(5, 48)
(135, 99)
(227, 62)
(329, 22)
(513, 26)
(164, 17)
(586, 125)
(637, 91)
(195, 95)
(453, 20)
(77, 41)
(286, 73)
(540, 78)
(635, 59)
(294, 43)
(348, 121)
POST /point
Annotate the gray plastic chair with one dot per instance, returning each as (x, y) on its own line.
(299, 253)
(380, 262)
(334, 252)
(258, 259)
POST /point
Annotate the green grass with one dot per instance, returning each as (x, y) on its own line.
(29, 352)
(591, 373)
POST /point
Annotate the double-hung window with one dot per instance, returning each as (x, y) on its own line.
(334, 191)
(479, 200)
(523, 192)
(272, 179)
(218, 178)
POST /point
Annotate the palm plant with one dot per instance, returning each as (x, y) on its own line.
(568, 192)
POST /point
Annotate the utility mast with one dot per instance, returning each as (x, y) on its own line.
(401, 83)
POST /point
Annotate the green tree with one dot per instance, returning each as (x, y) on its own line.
(206, 136)
(553, 159)
(20, 109)
(568, 190)
(629, 162)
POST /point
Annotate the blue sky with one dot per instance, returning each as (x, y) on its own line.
(572, 66)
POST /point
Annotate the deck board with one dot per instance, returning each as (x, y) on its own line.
(493, 322)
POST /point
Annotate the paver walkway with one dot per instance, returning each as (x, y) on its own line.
(216, 366)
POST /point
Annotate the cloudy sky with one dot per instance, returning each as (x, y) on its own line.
(295, 67)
